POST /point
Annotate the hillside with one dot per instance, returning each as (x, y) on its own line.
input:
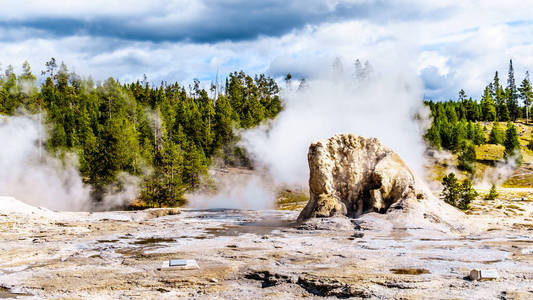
(490, 166)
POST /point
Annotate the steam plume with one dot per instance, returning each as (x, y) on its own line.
(380, 103)
(236, 189)
(362, 100)
(30, 174)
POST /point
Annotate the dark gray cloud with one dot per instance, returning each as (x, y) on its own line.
(228, 20)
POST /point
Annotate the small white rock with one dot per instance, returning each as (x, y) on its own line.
(487, 274)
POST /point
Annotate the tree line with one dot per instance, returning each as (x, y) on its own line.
(167, 135)
(455, 124)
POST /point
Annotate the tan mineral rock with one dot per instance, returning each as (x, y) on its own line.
(352, 175)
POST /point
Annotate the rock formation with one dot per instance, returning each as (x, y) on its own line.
(351, 175)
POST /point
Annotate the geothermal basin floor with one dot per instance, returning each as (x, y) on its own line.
(245, 254)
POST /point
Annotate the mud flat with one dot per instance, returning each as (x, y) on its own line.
(246, 254)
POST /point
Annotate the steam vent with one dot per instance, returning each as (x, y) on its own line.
(351, 175)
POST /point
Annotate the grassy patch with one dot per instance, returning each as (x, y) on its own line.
(409, 271)
(525, 134)
(512, 206)
(489, 152)
(519, 181)
(439, 170)
(522, 177)
(292, 200)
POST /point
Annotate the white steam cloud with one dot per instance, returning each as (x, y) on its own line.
(378, 103)
(30, 174)
(236, 188)
(502, 171)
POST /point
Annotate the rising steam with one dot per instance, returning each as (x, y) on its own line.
(362, 101)
(378, 103)
(236, 189)
(30, 174)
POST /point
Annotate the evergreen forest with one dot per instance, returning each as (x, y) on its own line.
(167, 135)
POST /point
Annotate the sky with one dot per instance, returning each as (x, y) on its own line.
(449, 44)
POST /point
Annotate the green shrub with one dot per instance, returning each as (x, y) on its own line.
(512, 144)
(493, 193)
(458, 194)
(467, 158)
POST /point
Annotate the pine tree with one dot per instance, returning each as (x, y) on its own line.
(27, 89)
(458, 135)
(462, 95)
(467, 194)
(223, 122)
(495, 84)
(10, 100)
(458, 194)
(451, 114)
(467, 158)
(450, 193)
(496, 135)
(512, 94)
(488, 106)
(433, 136)
(502, 108)
(470, 130)
(164, 186)
(207, 111)
(502, 112)
(194, 165)
(526, 93)
(89, 157)
(446, 134)
(512, 144)
(479, 135)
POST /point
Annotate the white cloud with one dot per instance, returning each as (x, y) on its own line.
(464, 41)
(433, 59)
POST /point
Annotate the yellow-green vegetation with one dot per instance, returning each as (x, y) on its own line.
(519, 181)
(292, 200)
(493, 193)
(495, 152)
(525, 134)
(516, 193)
(489, 152)
(512, 206)
(437, 170)
(522, 177)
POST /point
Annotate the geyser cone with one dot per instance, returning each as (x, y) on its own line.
(352, 175)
